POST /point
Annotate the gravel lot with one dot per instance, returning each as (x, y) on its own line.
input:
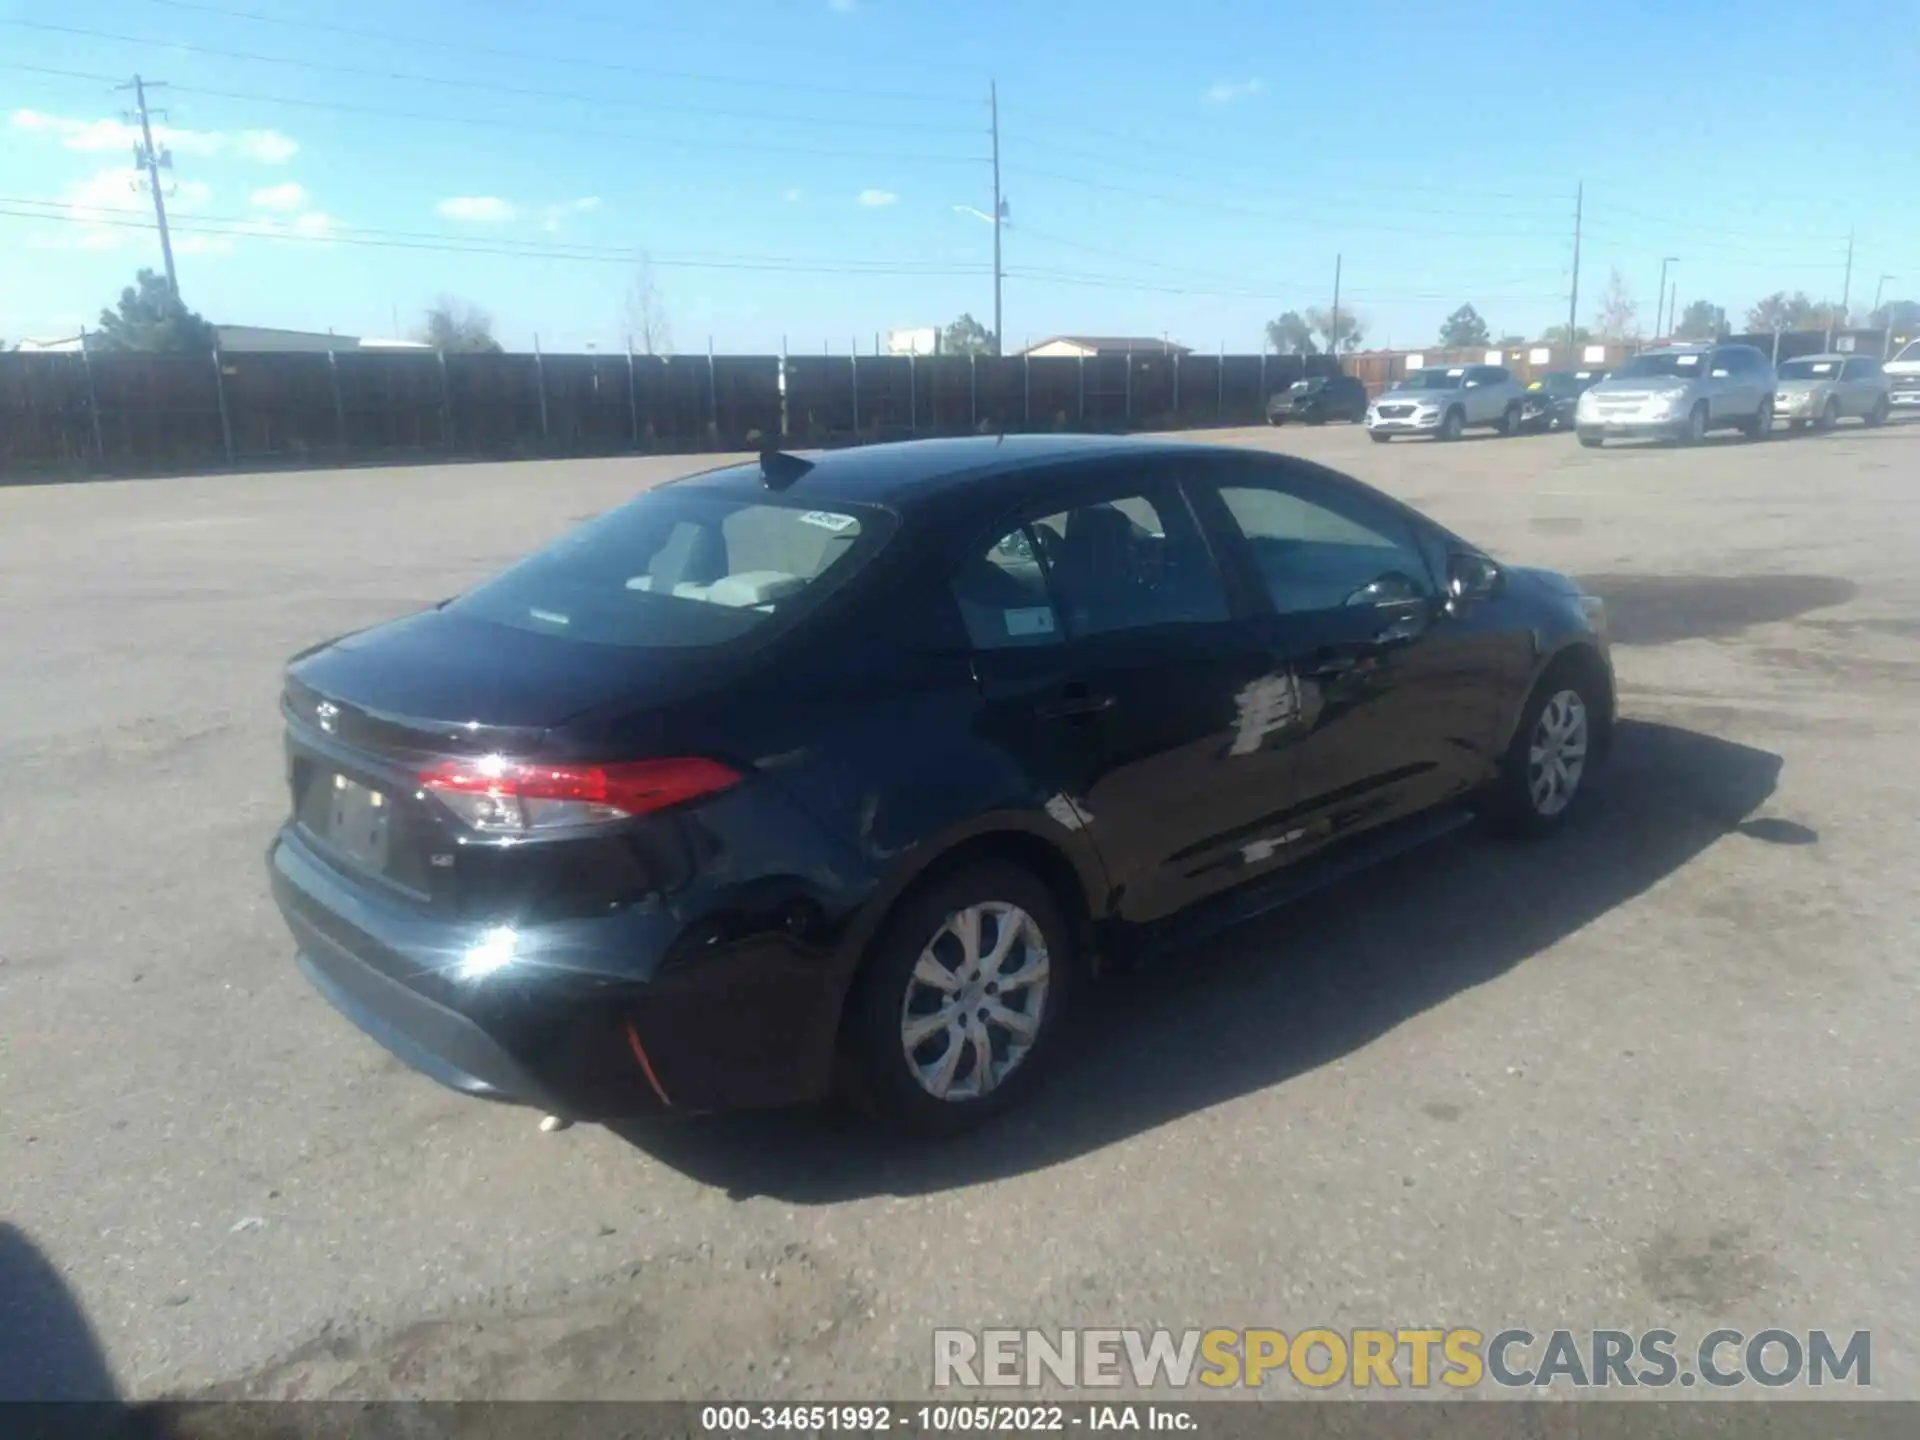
(1659, 1071)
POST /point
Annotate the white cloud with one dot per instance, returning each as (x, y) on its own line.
(268, 147)
(477, 209)
(203, 245)
(792, 196)
(279, 197)
(1225, 92)
(878, 197)
(553, 217)
(843, 7)
(314, 223)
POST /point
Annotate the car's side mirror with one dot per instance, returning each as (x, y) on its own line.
(1471, 578)
(1392, 588)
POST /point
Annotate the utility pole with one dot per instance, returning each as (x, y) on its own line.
(1846, 285)
(152, 160)
(1333, 340)
(999, 214)
(1660, 299)
(1573, 294)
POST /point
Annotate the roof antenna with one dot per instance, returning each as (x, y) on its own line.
(778, 469)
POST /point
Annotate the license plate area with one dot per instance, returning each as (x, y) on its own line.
(357, 821)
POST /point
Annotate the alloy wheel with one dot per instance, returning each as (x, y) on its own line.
(1557, 753)
(975, 1001)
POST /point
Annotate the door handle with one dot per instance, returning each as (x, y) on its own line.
(1074, 703)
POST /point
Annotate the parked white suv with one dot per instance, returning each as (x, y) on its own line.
(1443, 400)
(1903, 371)
(1679, 394)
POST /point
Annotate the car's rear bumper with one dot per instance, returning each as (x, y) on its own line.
(577, 1022)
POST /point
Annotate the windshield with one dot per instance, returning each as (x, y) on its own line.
(1560, 382)
(1681, 364)
(1810, 370)
(682, 568)
(1433, 380)
(1909, 352)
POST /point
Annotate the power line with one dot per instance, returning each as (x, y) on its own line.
(521, 57)
(1275, 217)
(456, 246)
(525, 126)
(488, 86)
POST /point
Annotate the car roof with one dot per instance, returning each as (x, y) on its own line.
(903, 472)
(1827, 356)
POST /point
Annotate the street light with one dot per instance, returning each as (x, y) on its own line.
(1660, 297)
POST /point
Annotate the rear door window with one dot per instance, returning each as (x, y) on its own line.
(1133, 562)
(683, 568)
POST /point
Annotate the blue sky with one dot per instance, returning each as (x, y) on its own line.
(795, 167)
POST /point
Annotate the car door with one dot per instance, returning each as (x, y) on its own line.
(1475, 395)
(1397, 702)
(1120, 668)
(1860, 387)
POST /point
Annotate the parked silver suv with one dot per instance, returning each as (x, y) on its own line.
(1443, 400)
(1680, 393)
(1817, 390)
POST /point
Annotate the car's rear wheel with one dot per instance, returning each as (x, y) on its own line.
(1881, 409)
(960, 1001)
(1830, 415)
(1451, 427)
(1275, 420)
(1548, 768)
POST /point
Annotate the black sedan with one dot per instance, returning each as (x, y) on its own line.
(1318, 399)
(1551, 400)
(846, 772)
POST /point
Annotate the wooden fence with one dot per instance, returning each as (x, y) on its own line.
(130, 414)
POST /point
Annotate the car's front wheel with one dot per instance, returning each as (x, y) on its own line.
(1829, 416)
(1451, 427)
(1379, 437)
(1694, 429)
(1760, 427)
(1881, 409)
(1548, 766)
(960, 1001)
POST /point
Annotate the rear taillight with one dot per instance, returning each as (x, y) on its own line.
(505, 796)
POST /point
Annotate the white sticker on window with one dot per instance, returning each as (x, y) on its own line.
(827, 520)
(1030, 620)
(1686, 359)
(1456, 371)
(1823, 369)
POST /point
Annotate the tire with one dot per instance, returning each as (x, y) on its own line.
(1275, 421)
(1878, 415)
(1695, 429)
(1451, 427)
(1593, 442)
(1379, 437)
(1829, 417)
(1761, 426)
(891, 991)
(1521, 802)
(1510, 421)
(1796, 426)
(1316, 417)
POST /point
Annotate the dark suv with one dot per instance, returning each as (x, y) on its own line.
(1318, 399)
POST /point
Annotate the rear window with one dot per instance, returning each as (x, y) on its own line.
(679, 568)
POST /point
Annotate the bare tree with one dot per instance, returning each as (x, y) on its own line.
(646, 313)
(1619, 316)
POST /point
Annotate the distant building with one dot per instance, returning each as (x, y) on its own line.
(240, 339)
(921, 340)
(1074, 347)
